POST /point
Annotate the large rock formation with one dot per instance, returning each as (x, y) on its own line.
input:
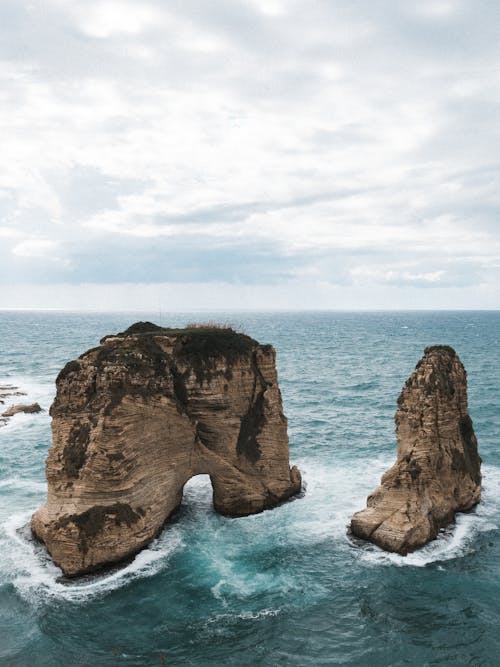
(438, 469)
(135, 418)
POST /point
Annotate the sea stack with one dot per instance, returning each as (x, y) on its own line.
(135, 418)
(438, 469)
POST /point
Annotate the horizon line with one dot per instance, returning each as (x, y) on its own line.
(252, 310)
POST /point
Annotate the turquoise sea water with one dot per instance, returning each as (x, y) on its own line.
(286, 587)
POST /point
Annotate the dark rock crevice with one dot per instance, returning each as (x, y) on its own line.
(75, 451)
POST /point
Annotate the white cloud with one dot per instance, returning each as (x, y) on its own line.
(314, 134)
(270, 7)
(37, 249)
(9, 233)
(105, 18)
(437, 8)
(368, 276)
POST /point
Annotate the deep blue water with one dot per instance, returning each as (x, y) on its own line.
(286, 587)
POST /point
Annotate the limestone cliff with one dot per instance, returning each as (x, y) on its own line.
(437, 472)
(135, 418)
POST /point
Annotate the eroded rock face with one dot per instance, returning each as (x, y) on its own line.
(438, 469)
(135, 418)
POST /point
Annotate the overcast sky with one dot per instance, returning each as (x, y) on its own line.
(249, 154)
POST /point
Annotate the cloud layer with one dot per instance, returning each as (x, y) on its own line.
(308, 153)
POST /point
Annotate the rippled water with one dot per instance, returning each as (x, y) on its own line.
(286, 587)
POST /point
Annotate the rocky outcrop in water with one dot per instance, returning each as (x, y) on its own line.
(33, 408)
(135, 418)
(8, 391)
(438, 469)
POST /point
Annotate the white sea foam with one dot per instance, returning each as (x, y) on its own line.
(244, 615)
(263, 613)
(17, 483)
(336, 492)
(198, 491)
(234, 584)
(20, 421)
(34, 389)
(35, 392)
(37, 578)
(333, 494)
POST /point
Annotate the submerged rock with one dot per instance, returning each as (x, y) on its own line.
(135, 418)
(438, 469)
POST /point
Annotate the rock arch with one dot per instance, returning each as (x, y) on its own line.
(137, 417)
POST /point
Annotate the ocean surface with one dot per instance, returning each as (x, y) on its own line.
(288, 586)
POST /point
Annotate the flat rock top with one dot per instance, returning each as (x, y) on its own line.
(145, 347)
(443, 349)
(207, 339)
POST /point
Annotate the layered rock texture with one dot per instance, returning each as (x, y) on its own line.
(438, 469)
(135, 418)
